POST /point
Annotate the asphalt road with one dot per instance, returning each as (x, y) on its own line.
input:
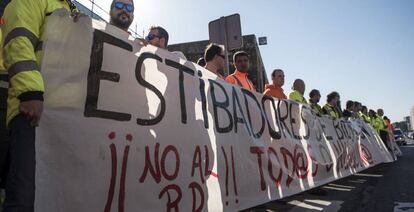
(386, 187)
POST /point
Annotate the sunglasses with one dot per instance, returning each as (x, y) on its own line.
(120, 5)
(151, 37)
(222, 56)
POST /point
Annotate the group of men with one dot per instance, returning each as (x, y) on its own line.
(332, 108)
(214, 60)
(21, 41)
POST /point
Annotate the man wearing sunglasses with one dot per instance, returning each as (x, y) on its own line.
(215, 59)
(158, 37)
(122, 13)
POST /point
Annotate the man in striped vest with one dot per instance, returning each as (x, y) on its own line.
(25, 23)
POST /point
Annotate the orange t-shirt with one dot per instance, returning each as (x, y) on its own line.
(272, 90)
(240, 78)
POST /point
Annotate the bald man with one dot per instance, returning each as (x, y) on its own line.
(298, 89)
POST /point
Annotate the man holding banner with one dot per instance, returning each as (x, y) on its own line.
(25, 24)
(314, 97)
(239, 77)
(122, 14)
(214, 57)
(298, 89)
(275, 89)
(380, 126)
(330, 107)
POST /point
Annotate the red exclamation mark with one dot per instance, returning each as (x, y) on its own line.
(227, 173)
(234, 174)
(121, 199)
(113, 174)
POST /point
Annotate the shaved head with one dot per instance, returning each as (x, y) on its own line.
(299, 85)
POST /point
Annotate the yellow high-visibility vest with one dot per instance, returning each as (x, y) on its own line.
(296, 96)
(330, 111)
(25, 22)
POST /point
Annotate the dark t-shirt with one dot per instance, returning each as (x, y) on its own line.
(347, 114)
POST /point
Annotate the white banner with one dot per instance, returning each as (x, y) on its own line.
(128, 127)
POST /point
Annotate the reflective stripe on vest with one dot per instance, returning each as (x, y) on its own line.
(21, 66)
(21, 32)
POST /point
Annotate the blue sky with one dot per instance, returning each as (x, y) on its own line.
(364, 49)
